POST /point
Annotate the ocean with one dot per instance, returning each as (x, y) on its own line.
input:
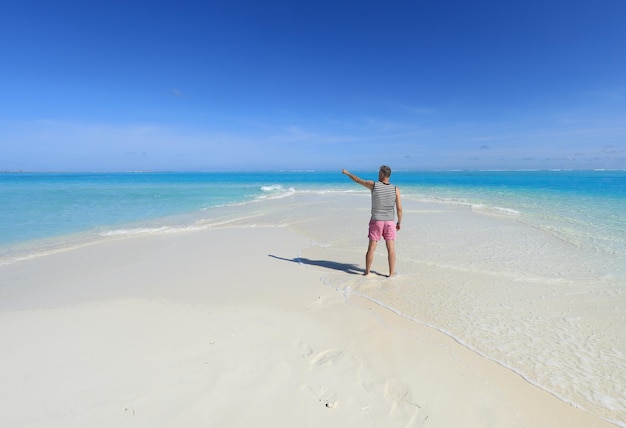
(535, 278)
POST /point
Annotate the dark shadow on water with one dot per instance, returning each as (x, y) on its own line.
(350, 268)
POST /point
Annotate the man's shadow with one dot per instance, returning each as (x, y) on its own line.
(350, 268)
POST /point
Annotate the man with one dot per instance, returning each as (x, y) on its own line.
(385, 199)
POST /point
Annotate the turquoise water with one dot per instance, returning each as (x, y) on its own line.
(586, 207)
(545, 298)
(39, 206)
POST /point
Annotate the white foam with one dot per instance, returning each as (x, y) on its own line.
(272, 188)
(276, 191)
(137, 231)
(493, 210)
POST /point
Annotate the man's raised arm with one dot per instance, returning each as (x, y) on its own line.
(367, 183)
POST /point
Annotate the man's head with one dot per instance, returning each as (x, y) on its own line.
(384, 172)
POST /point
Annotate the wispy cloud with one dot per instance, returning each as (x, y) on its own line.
(414, 110)
(306, 143)
(616, 93)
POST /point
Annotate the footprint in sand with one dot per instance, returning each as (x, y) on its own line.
(325, 357)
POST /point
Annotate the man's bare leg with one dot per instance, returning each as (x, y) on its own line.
(369, 256)
(391, 256)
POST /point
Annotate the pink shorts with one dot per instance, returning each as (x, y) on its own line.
(386, 229)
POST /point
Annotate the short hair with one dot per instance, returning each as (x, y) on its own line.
(385, 170)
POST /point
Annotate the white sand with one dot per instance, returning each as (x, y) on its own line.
(206, 329)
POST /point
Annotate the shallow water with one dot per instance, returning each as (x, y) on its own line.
(516, 294)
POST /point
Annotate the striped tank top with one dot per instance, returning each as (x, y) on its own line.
(383, 201)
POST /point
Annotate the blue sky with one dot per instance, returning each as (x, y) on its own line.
(266, 85)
